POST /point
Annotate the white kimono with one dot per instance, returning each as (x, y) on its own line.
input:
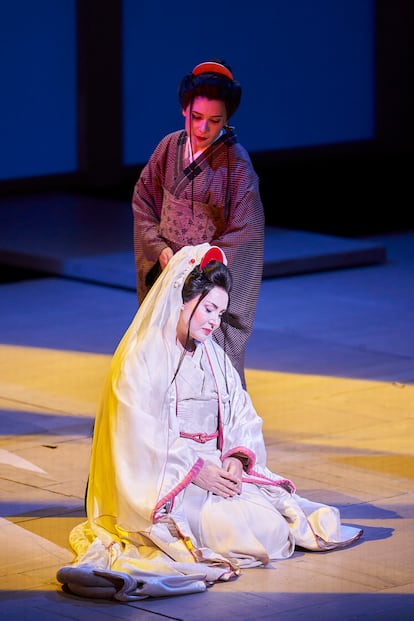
(150, 529)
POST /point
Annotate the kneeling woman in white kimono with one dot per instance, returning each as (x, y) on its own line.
(179, 493)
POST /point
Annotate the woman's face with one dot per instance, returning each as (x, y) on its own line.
(204, 120)
(206, 318)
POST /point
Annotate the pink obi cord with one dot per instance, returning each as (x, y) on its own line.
(202, 438)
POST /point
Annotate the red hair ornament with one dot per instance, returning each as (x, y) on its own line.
(212, 67)
(214, 254)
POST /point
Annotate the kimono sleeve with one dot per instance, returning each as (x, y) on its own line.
(242, 427)
(147, 202)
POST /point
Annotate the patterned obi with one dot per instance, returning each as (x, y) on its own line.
(184, 222)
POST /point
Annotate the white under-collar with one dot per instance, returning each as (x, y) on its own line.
(189, 155)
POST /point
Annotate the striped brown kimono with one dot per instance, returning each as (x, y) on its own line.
(215, 199)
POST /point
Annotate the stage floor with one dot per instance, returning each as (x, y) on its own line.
(90, 239)
(330, 368)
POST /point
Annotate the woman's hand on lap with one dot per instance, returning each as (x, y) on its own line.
(217, 480)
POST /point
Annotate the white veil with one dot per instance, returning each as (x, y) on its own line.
(133, 424)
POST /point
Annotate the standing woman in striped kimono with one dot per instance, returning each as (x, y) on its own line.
(199, 186)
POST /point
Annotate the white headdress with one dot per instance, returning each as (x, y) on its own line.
(134, 417)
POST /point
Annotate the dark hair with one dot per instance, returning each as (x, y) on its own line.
(202, 281)
(212, 86)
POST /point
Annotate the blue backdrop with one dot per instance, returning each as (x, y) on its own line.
(306, 67)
